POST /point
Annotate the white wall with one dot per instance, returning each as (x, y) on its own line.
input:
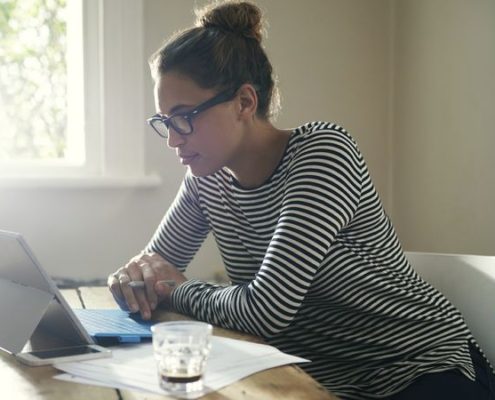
(444, 135)
(331, 59)
(332, 63)
(412, 76)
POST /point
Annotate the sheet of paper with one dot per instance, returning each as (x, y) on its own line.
(133, 367)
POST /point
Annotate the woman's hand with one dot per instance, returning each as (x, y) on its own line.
(149, 268)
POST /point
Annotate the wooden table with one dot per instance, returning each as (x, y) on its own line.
(20, 382)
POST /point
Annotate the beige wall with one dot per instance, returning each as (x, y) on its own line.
(331, 58)
(332, 62)
(422, 81)
(444, 125)
(413, 81)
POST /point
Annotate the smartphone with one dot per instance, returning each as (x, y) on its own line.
(63, 354)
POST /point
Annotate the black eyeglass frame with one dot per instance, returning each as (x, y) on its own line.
(188, 116)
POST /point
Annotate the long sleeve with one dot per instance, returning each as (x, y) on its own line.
(183, 228)
(319, 198)
(319, 272)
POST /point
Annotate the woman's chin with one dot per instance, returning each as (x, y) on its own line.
(200, 171)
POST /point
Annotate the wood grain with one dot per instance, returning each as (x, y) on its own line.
(18, 381)
(36, 383)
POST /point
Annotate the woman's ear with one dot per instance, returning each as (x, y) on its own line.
(248, 101)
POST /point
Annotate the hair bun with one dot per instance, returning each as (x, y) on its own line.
(241, 18)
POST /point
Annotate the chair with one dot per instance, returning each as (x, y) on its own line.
(468, 281)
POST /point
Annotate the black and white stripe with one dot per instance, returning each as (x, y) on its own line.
(316, 269)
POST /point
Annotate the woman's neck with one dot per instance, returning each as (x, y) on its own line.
(259, 155)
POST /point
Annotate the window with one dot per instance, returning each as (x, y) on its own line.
(71, 89)
(33, 75)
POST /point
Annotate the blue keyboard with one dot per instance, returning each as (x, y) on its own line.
(114, 324)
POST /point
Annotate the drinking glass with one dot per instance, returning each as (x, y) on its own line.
(181, 350)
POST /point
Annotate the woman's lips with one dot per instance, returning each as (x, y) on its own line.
(187, 159)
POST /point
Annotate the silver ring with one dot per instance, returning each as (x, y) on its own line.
(121, 277)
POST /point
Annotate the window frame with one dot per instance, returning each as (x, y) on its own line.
(113, 115)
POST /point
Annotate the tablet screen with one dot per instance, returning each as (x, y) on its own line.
(64, 352)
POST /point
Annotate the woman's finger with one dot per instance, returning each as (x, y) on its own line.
(137, 294)
(149, 279)
(114, 286)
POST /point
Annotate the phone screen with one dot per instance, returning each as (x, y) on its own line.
(64, 352)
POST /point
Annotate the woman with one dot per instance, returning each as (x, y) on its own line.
(315, 264)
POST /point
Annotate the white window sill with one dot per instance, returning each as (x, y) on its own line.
(86, 182)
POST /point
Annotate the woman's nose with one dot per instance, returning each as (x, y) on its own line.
(174, 139)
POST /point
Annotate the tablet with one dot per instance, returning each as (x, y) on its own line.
(36, 323)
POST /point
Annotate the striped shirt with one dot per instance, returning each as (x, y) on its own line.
(316, 269)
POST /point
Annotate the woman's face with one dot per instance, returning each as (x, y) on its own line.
(217, 132)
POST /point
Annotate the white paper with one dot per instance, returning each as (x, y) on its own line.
(133, 367)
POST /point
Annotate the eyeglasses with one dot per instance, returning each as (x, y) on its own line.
(181, 121)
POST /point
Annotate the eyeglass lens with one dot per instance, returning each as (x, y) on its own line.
(179, 123)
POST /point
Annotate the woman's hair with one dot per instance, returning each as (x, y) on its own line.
(223, 51)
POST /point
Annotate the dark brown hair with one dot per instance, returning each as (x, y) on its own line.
(223, 51)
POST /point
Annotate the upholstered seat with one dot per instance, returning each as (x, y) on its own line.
(468, 281)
